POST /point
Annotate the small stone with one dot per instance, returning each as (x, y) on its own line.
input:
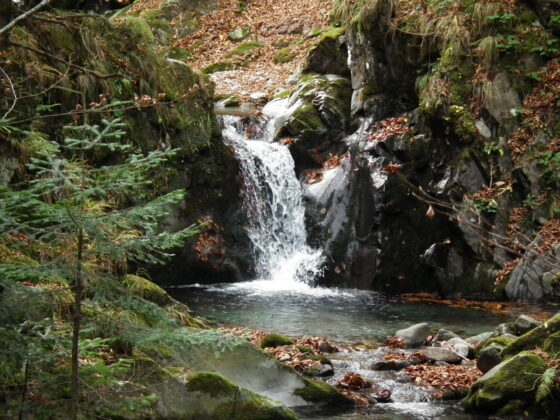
(525, 323)
(480, 338)
(414, 335)
(439, 354)
(258, 96)
(444, 335)
(240, 34)
(389, 365)
(460, 346)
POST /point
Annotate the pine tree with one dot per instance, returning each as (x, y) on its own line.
(86, 222)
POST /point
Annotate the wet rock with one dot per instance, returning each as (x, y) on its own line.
(258, 96)
(489, 357)
(415, 335)
(238, 35)
(513, 379)
(439, 354)
(383, 396)
(320, 370)
(480, 338)
(389, 365)
(524, 323)
(444, 335)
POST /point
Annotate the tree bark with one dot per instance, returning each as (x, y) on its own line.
(78, 291)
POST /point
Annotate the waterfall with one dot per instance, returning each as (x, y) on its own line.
(273, 204)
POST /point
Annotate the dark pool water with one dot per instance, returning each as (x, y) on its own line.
(343, 315)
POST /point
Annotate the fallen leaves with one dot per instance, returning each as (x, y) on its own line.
(395, 343)
(354, 382)
(445, 381)
(390, 127)
(392, 168)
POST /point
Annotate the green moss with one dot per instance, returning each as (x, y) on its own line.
(282, 95)
(285, 55)
(533, 338)
(224, 66)
(320, 358)
(320, 392)
(211, 383)
(513, 379)
(145, 289)
(245, 48)
(333, 33)
(137, 27)
(306, 118)
(552, 344)
(252, 406)
(305, 349)
(275, 340)
(498, 341)
(512, 408)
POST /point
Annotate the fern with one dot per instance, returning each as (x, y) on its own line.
(547, 384)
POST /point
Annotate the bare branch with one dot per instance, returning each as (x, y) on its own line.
(13, 92)
(24, 16)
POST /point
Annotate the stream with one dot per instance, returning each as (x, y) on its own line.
(283, 297)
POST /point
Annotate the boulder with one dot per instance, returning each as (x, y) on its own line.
(329, 55)
(489, 357)
(524, 323)
(513, 379)
(505, 328)
(415, 335)
(439, 354)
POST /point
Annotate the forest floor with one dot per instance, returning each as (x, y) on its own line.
(283, 30)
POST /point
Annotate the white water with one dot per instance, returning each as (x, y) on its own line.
(273, 204)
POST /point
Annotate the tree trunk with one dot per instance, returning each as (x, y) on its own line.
(5, 18)
(78, 291)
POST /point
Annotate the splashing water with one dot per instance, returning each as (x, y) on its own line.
(275, 212)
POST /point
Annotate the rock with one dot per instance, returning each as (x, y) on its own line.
(329, 55)
(460, 346)
(505, 328)
(535, 337)
(211, 396)
(320, 370)
(489, 357)
(389, 365)
(320, 392)
(441, 363)
(503, 100)
(238, 35)
(258, 96)
(415, 335)
(513, 379)
(479, 339)
(439, 354)
(444, 335)
(275, 340)
(145, 289)
(524, 323)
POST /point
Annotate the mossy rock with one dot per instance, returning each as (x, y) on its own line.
(234, 402)
(145, 289)
(224, 66)
(534, 338)
(285, 55)
(513, 379)
(245, 48)
(238, 35)
(275, 340)
(318, 392)
(211, 383)
(552, 344)
(328, 56)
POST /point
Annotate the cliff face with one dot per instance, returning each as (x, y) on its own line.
(450, 179)
(67, 67)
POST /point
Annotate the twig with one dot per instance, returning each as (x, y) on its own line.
(24, 16)
(60, 60)
(13, 92)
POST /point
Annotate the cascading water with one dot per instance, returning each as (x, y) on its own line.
(274, 208)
